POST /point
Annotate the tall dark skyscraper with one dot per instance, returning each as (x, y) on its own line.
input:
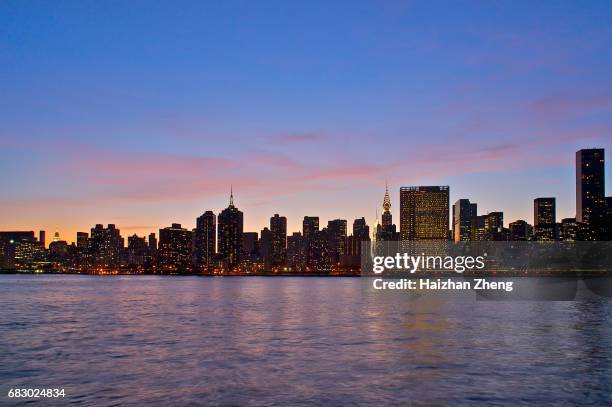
(463, 220)
(545, 218)
(312, 241)
(310, 225)
(42, 238)
(590, 189)
(424, 213)
(205, 240)
(278, 230)
(175, 248)
(336, 238)
(152, 246)
(296, 254)
(230, 234)
(265, 247)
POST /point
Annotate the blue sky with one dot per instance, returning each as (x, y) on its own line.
(144, 113)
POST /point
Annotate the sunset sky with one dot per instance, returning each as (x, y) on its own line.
(144, 113)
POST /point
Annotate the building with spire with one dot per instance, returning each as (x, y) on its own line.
(230, 229)
(386, 230)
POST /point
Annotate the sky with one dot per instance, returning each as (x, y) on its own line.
(144, 113)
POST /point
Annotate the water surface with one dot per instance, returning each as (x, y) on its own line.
(293, 341)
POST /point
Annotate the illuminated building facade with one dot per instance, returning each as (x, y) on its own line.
(424, 213)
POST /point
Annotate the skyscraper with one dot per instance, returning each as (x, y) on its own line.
(463, 220)
(520, 230)
(361, 230)
(42, 238)
(424, 213)
(310, 225)
(138, 251)
(175, 248)
(296, 255)
(494, 227)
(205, 240)
(265, 247)
(230, 234)
(105, 246)
(590, 189)
(544, 218)
(336, 235)
(152, 247)
(387, 218)
(311, 240)
(386, 231)
(278, 229)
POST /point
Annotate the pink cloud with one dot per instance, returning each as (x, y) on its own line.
(571, 104)
(296, 138)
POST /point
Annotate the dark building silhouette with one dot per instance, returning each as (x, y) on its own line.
(520, 230)
(494, 227)
(336, 239)
(19, 249)
(230, 234)
(42, 239)
(265, 247)
(608, 228)
(138, 251)
(82, 239)
(545, 219)
(361, 230)
(175, 248)
(318, 252)
(570, 230)
(205, 240)
(311, 237)
(590, 190)
(464, 214)
(153, 248)
(296, 254)
(250, 245)
(278, 230)
(310, 225)
(82, 251)
(59, 251)
(105, 245)
(424, 213)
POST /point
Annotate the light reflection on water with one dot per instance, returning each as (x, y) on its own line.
(293, 341)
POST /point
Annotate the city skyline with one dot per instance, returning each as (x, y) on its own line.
(427, 203)
(110, 115)
(219, 243)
